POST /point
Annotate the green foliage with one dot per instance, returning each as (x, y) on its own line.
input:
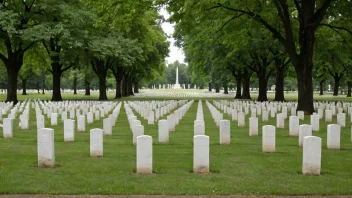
(223, 35)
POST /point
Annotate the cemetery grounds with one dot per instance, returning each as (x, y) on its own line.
(240, 168)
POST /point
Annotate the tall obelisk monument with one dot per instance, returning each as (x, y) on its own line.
(177, 85)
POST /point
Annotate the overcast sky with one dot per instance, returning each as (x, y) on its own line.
(175, 52)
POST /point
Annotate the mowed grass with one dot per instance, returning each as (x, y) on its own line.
(239, 168)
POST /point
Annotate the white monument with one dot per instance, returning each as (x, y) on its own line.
(177, 85)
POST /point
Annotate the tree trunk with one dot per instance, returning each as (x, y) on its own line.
(130, 87)
(100, 68)
(238, 87)
(12, 74)
(24, 83)
(136, 86)
(349, 87)
(217, 89)
(118, 86)
(226, 89)
(279, 84)
(13, 65)
(336, 86)
(56, 71)
(246, 94)
(87, 87)
(305, 92)
(303, 63)
(102, 86)
(75, 85)
(43, 86)
(118, 89)
(263, 84)
(124, 86)
(209, 88)
(321, 87)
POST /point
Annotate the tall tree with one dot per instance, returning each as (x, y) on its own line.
(293, 23)
(67, 25)
(18, 19)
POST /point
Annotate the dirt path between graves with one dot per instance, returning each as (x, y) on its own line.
(161, 196)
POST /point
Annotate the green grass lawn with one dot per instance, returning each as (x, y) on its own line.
(239, 168)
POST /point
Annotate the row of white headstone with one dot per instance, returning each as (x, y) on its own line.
(144, 143)
(263, 108)
(45, 140)
(5, 107)
(94, 110)
(104, 108)
(7, 125)
(339, 107)
(200, 143)
(280, 117)
(199, 125)
(311, 153)
(312, 146)
(153, 111)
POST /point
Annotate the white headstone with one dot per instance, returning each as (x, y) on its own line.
(314, 122)
(199, 122)
(253, 126)
(46, 152)
(64, 116)
(8, 128)
(138, 131)
(333, 137)
(225, 135)
(265, 116)
(234, 115)
(96, 142)
(72, 114)
(328, 116)
(304, 130)
(113, 119)
(69, 130)
(107, 126)
(284, 112)
(293, 126)
(81, 124)
(311, 155)
(171, 122)
(293, 111)
(201, 154)
(102, 112)
(40, 122)
(97, 115)
(199, 129)
(53, 119)
(273, 112)
(134, 124)
(280, 121)
(320, 113)
(253, 112)
(90, 118)
(268, 139)
(151, 118)
(341, 119)
(144, 154)
(163, 131)
(300, 115)
(241, 119)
